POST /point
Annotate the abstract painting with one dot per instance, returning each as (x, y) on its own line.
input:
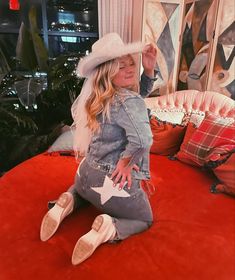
(197, 33)
(222, 78)
(161, 27)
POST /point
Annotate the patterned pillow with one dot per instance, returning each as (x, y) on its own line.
(167, 137)
(194, 122)
(170, 116)
(213, 133)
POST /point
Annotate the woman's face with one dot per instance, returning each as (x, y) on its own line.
(126, 76)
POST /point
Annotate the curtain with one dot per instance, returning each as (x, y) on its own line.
(120, 16)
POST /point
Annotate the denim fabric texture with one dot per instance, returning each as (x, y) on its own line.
(131, 214)
(126, 133)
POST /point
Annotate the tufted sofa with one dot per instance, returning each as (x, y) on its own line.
(209, 140)
(192, 237)
(194, 100)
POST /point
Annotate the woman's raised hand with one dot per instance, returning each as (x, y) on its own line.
(149, 59)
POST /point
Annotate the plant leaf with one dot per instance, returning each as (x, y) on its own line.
(4, 66)
(25, 49)
(27, 90)
(18, 118)
(38, 44)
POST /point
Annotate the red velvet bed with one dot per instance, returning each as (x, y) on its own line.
(193, 235)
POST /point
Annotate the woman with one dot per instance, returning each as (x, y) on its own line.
(112, 131)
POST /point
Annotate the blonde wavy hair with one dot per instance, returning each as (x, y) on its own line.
(103, 93)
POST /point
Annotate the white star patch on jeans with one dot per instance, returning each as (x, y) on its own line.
(108, 190)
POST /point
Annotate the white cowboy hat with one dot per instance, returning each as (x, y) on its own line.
(110, 46)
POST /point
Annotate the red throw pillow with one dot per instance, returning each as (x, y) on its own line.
(167, 137)
(213, 132)
(226, 174)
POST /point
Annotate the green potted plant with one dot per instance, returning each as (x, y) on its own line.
(35, 99)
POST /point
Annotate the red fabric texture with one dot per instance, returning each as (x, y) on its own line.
(167, 137)
(213, 132)
(192, 237)
(226, 174)
(191, 128)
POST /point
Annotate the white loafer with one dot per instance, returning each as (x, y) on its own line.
(102, 230)
(54, 217)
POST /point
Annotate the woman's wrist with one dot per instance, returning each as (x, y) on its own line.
(125, 161)
(149, 73)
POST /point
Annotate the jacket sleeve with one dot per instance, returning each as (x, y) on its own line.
(146, 85)
(133, 118)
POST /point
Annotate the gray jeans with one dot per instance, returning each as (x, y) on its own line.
(129, 208)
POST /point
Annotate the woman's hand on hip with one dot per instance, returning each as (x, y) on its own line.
(122, 173)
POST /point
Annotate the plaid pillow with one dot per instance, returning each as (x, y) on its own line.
(213, 133)
(194, 122)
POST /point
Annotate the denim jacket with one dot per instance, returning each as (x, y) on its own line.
(126, 134)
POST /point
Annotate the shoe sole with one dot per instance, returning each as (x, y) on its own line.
(50, 222)
(83, 249)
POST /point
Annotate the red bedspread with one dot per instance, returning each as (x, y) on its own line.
(193, 236)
